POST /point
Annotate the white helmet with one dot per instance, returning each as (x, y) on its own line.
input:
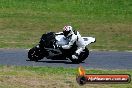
(67, 31)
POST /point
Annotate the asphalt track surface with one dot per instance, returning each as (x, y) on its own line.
(96, 60)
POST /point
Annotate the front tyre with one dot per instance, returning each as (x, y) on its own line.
(35, 54)
(83, 55)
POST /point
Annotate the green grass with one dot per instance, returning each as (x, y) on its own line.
(51, 77)
(22, 22)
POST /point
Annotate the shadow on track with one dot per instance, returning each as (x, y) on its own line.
(58, 61)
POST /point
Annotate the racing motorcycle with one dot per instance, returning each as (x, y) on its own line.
(48, 47)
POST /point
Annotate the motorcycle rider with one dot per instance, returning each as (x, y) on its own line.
(73, 37)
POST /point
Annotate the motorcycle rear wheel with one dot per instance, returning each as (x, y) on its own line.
(35, 54)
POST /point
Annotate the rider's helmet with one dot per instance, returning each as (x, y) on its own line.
(67, 31)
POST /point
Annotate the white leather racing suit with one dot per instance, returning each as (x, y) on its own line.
(79, 42)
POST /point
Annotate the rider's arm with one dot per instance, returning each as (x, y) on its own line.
(59, 33)
(69, 45)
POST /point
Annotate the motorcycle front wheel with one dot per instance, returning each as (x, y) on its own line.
(83, 55)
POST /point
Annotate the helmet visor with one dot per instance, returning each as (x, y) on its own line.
(66, 33)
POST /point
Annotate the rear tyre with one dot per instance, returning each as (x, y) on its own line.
(35, 54)
(83, 55)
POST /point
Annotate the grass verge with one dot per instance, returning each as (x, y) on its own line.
(51, 77)
(22, 22)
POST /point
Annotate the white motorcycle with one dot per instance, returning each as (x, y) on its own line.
(47, 47)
